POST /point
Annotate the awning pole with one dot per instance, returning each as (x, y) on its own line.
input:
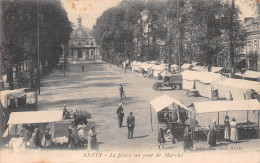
(8, 137)
(218, 118)
(151, 117)
(247, 116)
(258, 124)
(158, 120)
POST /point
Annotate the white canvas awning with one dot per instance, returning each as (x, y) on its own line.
(186, 66)
(164, 101)
(35, 117)
(174, 66)
(200, 68)
(11, 94)
(237, 86)
(224, 106)
(146, 66)
(251, 74)
(216, 69)
(204, 77)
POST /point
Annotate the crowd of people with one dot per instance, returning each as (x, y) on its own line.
(78, 136)
(230, 133)
(32, 137)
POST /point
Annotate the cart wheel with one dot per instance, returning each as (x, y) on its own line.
(154, 86)
(157, 88)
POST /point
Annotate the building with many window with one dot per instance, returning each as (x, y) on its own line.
(252, 48)
(82, 45)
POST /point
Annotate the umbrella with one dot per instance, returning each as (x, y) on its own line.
(191, 122)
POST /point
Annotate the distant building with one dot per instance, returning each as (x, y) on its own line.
(82, 45)
(252, 48)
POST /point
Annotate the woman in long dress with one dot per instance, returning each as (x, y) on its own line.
(212, 135)
(92, 139)
(187, 142)
(227, 128)
(47, 138)
(234, 133)
(35, 141)
(161, 139)
(82, 133)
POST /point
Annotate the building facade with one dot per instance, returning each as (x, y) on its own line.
(82, 45)
(252, 48)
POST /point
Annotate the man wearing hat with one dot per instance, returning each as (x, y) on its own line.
(120, 114)
(130, 125)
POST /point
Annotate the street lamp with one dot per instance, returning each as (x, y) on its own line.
(38, 50)
(125, 56)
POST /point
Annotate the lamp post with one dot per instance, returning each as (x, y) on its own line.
(178, 37)
(38, 50)
(125, 56)
(1, 77)
(64, 60)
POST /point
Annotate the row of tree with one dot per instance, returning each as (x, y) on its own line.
(32, 29)
(208, 31)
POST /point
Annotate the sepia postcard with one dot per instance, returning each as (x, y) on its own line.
(129, 81)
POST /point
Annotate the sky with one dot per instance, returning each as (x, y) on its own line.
(90, 10)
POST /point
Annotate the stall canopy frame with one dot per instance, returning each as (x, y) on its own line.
(225, 106)
(35, 117)
(164, 101)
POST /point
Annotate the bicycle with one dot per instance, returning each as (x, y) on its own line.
(123, 95)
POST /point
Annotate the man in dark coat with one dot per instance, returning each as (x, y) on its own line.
(130, 125)
(120, 114)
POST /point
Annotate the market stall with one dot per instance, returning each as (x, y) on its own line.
(158, 69)
(144, 68)
(136, 66)
(165, 104)
(250, 75)
(204, 82)
(22, 99)
(237, 89)
(217, 69)
(186, 66)
(174, 68)
(239, 109)
(33, 119)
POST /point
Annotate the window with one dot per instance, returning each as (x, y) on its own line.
(255, 27)
(80, 54)
(249, 46)
(255, 46)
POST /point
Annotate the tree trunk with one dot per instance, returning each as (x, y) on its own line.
(10, 78)
(232, 59)
(16, 76)
(31, 67)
